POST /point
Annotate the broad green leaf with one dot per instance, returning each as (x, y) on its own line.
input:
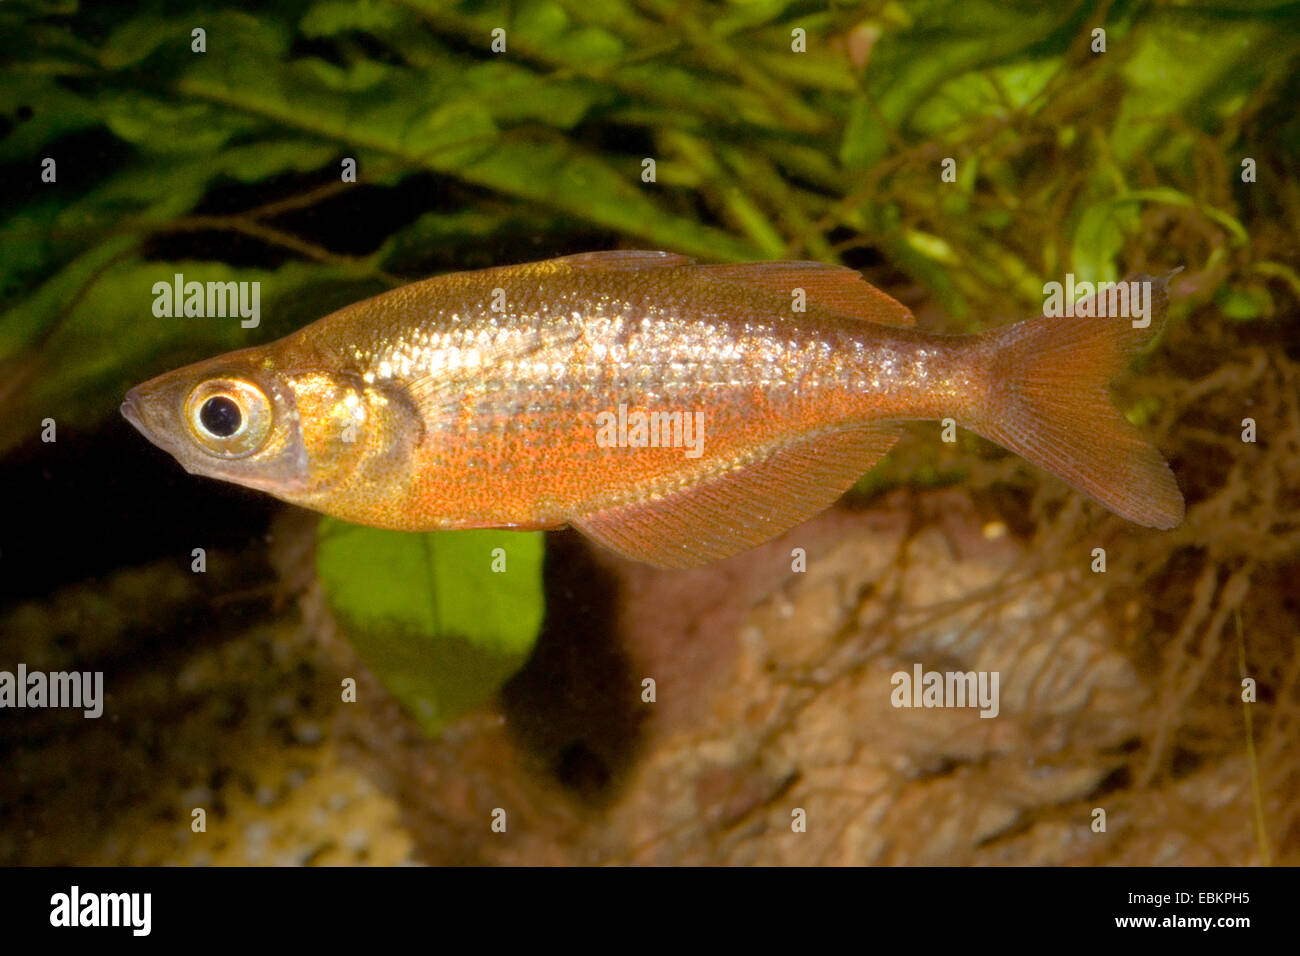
(980, 95)
(908, 66)
(443, 619)
(1179, 68)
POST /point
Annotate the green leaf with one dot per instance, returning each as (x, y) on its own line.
(339, 16)
(1099, 236)
(441, 629)
(585, 186)
(909, 66)
(357, 77)
(513, 94)
(1099, 239)
(159, 126)
(1242, 305)
(1179, 69)
(56, 112)
(978, 95)
(135, 39)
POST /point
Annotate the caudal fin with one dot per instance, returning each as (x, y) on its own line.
(1048, 403)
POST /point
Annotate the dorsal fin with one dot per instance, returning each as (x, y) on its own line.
(623, 259)
(835, 288)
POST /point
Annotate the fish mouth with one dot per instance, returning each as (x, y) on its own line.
(131, 412)
(139, 412)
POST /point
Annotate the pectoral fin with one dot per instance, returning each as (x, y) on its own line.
(743, 508)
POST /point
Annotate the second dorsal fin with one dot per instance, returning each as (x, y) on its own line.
(623, 259)
(835, 288)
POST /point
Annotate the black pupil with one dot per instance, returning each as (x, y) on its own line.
(220, 416)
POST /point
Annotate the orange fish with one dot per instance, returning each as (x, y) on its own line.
(677, 413)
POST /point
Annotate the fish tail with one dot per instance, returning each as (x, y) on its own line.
(1047, 402)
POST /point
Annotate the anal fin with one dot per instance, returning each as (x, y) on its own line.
(741, 509)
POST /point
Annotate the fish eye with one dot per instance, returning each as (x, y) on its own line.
(228, 417)
(221, 416)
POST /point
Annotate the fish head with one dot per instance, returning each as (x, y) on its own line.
(246, 419)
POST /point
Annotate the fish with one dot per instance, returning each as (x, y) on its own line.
(677, 413)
